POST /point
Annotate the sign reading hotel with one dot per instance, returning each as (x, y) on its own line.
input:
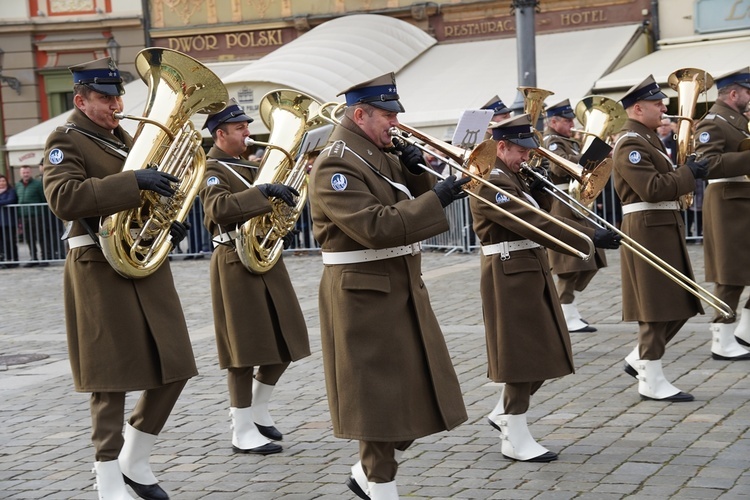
(502, 23)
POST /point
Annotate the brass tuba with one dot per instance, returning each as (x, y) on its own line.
(689, 83)
(289, 115)
(600, 116)
(590, 180)
(136, 241)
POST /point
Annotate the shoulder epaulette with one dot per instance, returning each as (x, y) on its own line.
(337, 149)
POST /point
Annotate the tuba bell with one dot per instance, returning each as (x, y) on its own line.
(590, 179)
(289, 115)
(601, 117)
(689, 83)
(137, 241)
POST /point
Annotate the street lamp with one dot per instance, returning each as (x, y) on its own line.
(12, 82)
(114, 52)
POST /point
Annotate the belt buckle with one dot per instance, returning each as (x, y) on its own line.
(416, 248)
(504, 250)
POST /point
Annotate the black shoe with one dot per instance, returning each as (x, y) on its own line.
(739, 340)
(146, 491)
(44, 264)
(680, 397)
(266, 449)
(354, 486)
(550, 456)
(270, 432)
(630, 370)
(31, 264)
(586, 328)
(730, 358)
(493, 424)
(188, 257)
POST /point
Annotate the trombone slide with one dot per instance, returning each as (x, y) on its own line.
(479, 160)
(639, 250)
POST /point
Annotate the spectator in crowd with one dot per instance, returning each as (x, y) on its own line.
(30, 191)
(53, 245)
(8, 246)
(198, 238)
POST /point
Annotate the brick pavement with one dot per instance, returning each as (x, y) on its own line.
(611, 444)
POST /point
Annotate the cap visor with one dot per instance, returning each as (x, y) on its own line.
(240, 118)
(527, 142)
(744, 84)
(110, 89)
(569, 114)
(393, 106)
(656, 97)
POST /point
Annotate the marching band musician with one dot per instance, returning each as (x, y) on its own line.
(257, 317)
(649, 186)
(573, 274)
(146, 348)
(500, 112)
(527, 341)
(389, 376)
(718, 139)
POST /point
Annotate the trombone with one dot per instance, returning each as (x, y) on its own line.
(481, 159)
(639, 250)
(478, 166)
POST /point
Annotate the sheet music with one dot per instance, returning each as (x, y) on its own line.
(471, 128)
(315, 139)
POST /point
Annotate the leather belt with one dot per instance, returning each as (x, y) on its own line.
(224, 238)
(83, 240)
(357, 256)
(643, 205)
(505, 247)
(739, 178)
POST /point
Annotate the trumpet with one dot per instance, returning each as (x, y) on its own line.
(638, 250)
(478, 165)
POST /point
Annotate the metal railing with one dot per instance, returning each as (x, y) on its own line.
(31, 234)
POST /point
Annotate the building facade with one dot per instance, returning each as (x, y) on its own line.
(41, 38)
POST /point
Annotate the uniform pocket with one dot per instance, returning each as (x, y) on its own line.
(520, 265)
(358, 280)
(89, 253)
(659, 218)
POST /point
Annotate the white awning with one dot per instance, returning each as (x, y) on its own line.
(449, 78)
(717, 57)
(27, 147)
(328, 59)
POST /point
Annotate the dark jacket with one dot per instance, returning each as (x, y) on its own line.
(6, 213)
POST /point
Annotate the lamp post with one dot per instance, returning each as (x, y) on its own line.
(113, 48)
(525, 47)
(12, 82)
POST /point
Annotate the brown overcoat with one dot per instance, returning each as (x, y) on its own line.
(257, 317)
(643, 172)
(389, 375)
(123, 334)
(725, 204)
(527, 339)
(561, 263)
